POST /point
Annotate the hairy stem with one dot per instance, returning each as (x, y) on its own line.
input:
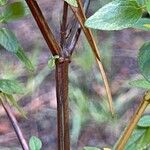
(15, 125)
(80, 15)
(134, 120)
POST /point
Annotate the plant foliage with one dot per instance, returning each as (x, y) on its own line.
(35, 143)
(72, 2)
(116, 15)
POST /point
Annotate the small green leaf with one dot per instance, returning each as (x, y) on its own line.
(9, 41)
(35, 143)
(116, 15)
(13, 102)
(140, 83)
(11, 87)
(3, 2)
(14, 11)
(144, 121)
(51, 61)
(72, 2)
(142, 24)
(144, 60)
(90, 148)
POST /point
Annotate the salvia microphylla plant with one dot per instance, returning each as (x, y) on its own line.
(116, 15)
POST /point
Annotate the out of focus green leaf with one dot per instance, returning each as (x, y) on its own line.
(140, 83)
(14, 11)
(11, 87)
(148, 6)
(136, 135)
(9, 41)
(144, 142)
(144, 60)
(22, 56)
(3, 2)
(144, 121)
(142, 24)
(13, 102)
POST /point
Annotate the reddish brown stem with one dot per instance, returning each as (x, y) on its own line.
(15, 125)
(43, 26)
(64, 24)
(62, 102)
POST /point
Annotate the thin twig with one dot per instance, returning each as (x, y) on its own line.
(15, 125)
(64, 25)
(134, 120)
(43, 26)
(80, 15)
(75, 32)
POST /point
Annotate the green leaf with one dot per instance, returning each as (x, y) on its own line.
(11, 87)
(116, 15)
(14, 11)
(141, 2)
(72, 2)
(142, 24)
(140, 83)
(35, 143)
(140, 140)
(9, 41)
(144, 121)
(90, 148)
(51, 61)
(13, 102)
(3, 2)
(144, 60)
(148, 6)
(22, 56)
(144, 141)
(136, 135)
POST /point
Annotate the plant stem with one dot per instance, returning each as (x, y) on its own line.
(75, 32)
(15, 125)
(134, 120)
(80, 15)
(43, 26)
(64, 25)
(62, 102)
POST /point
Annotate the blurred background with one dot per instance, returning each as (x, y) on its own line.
(91, 123)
